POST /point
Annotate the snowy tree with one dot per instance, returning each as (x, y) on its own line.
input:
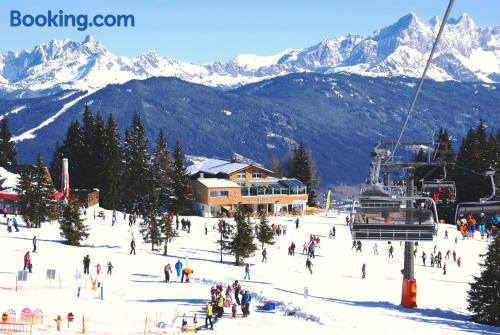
(112, 166)
(8, 154)
(484, 293)
(242, 245)
(181, 185)
(265, 234)
(72, 228)
(36, 199)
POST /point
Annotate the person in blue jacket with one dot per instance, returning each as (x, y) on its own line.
(245, 303)
(178, 268)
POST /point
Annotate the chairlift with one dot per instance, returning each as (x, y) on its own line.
(391, 219)
(489, 206)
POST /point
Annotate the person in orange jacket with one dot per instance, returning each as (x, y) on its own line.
(187, 273)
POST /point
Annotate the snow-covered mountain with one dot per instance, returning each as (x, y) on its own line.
(465, 53)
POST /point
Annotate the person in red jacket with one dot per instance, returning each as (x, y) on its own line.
(27, 261)
(459, 261)
(363, 270)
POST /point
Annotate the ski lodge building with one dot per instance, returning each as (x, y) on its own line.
(220, 186)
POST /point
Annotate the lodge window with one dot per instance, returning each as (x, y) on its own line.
(256, 174)
(240, 175)
(219, 194)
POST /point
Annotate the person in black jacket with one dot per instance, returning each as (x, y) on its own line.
(309, 265)
(132, 247)
(86, 264)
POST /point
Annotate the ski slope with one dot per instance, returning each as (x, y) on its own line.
(338, 301)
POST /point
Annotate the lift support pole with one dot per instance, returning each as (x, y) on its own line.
(409, 293)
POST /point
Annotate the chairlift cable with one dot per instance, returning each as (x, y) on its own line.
(429, 60)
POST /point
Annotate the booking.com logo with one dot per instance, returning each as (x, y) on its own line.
(81, 21)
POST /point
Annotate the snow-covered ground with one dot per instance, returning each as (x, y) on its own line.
(339, 301)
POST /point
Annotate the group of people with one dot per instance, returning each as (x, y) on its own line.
(183, 272)
(220, 299)
(12, 223)
(86, 266)
(468, 225)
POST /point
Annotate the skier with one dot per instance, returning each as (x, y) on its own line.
(423, 257)
(297, 223)
(27, 262)
(444, 269)
(178, 268)
(110, 268)
(98, 269)
(132, 247)
(334, 232)
(432, 260)
(363, 271)
(9, 226)
(14, 222)
(208, 316)
(264, 255)
(353, 245)
(454, 256)
(304, 249)
(346, 220)
(86, 264)
(447, 254)
(168, 271)
(309, 265)
(358, 246)
(247, 271)
(459, 261)
(375, 249)
(237, 289)
(445, 234)
(391, 250)
(34, 243)
(206, 228)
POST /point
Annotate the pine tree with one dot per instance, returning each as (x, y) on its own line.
(112, 166)
(242, 245)
(151, 230)
(72, 228)
(181, 185)
(73, 149)
(136, 165)
(8, 154)
(87, 158)
(56, 165)
(302, 168)
(162, 168)
(35, 195)
(265, 234)
(169, 232)
(484, 293)
(98, 149)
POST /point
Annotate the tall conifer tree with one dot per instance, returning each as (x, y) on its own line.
(8, 154)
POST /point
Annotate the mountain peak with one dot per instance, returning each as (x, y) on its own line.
(464, 19)
(89, 39)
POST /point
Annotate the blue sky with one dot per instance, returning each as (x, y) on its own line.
(202, 31)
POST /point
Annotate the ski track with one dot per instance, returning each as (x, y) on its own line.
(30, 134)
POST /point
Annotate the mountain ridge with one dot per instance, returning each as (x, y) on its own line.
(467, 53)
